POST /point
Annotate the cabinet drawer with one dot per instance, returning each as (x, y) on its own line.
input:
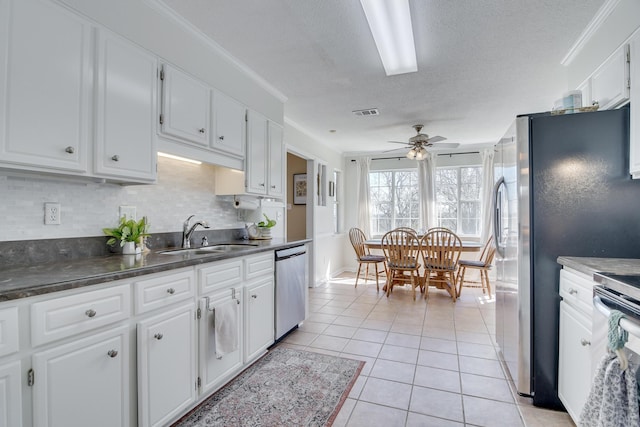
(577, 291)
(8, 330)
(66, 316)
(258, 265)
(163, 290)
(219, 275)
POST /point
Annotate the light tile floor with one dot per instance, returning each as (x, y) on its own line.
(428, 363)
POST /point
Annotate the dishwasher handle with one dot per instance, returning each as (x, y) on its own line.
(289, 256)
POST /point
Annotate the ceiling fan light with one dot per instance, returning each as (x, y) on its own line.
(421, 154)
(411, 154)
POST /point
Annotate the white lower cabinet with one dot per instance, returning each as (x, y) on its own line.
(216, 369)
(10, 395)
(574, 371)
(259, 317)
(83, 383)
(166, 365)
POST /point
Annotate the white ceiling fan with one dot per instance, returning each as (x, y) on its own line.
(420, 142)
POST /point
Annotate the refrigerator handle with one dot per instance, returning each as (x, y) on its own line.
(497, 214)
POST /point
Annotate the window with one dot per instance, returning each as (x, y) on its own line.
(458, 199)
(394, 200)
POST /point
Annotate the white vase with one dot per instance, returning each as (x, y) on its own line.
(129, 248)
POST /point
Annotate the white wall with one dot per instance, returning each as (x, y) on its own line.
(612, 32)
(183, 189)
(328, 248)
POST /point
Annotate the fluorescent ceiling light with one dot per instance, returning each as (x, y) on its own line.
(390, 24)
(182, 159)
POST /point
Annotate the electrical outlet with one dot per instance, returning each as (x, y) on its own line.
(52, 213)
(128, 211)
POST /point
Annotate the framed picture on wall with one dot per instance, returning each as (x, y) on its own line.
(300, 189)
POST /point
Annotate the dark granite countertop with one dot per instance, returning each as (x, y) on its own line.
(591, 266)
(26, 281)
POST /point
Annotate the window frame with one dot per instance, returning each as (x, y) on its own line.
(393, 201)
(459, 219)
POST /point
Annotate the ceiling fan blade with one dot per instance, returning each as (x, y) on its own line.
(436, 138)
(398, 142)
(446, 145)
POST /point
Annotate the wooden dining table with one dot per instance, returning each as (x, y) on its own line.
(467, 246)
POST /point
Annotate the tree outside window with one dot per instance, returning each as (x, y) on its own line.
(394, 200)
(458, 199)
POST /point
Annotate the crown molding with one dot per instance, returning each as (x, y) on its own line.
(603, 13)
(162, 8)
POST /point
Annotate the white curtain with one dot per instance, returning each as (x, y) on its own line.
(364, 198)
(487, 193)
(427, 191)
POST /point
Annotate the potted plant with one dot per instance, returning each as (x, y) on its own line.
(128, 232)
(265, 226)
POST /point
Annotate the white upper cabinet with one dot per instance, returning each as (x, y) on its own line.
(610, 82)
(256, 160)
(276, 161)
(125, 109)
(229, 123)
(265, 156)
(185, 107)
(45, 85)
(634, 77)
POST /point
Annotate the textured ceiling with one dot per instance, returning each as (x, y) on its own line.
(480, 63)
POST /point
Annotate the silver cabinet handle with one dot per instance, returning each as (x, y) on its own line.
(201, 130)
(70, 150)
(261, 184)
(584, 342)
(273, 186)
(254, 296)
(112, 353)
(572, 291)
(158, 336)
(171, 291)
(221, 137)
(90, 313)
(115, 158)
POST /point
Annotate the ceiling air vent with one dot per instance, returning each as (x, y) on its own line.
(367, 112)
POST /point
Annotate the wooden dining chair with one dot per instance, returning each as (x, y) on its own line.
(407, 229)
(401, 249)
(483, 265)
(441, 252)
(364, 256)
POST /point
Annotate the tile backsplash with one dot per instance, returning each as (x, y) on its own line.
(182, 189)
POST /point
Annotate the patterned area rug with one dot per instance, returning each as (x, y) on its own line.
(286, 387)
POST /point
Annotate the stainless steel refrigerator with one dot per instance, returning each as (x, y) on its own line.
(562, 189)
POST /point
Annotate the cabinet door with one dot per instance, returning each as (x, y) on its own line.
(166, 365)
(125, 109)
(215, 371)
(259, 330)
(256, 158)
(229, 123)
(574, 365)
(634, 135)
(83, 383)
(276, 161)
(45, 85)
(185, 107)
(10, 395)
(610, 82)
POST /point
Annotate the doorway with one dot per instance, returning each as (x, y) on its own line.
(296, 209)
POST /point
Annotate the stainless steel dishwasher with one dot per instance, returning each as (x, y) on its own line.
(291, 272)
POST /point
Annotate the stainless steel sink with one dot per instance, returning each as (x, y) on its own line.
(231, 247)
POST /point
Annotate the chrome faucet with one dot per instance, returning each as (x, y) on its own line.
(187, 232)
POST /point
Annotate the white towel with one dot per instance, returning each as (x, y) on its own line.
(226, 328)
(613, 399)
